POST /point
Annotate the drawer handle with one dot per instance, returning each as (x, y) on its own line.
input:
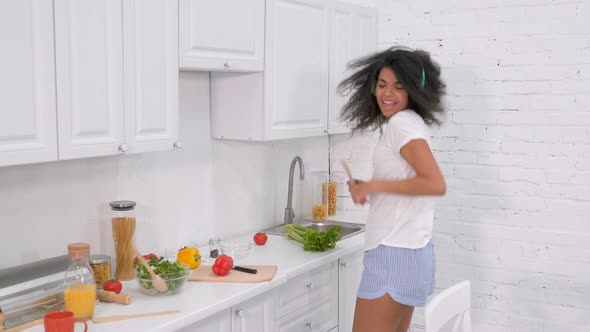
(178, 145)
(309, 325)
(227, 65)
(309, 286)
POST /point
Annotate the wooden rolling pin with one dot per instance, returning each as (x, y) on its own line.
(108, 319)
(108, 296)
(23, 326)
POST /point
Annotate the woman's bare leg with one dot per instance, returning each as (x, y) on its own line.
(404, 324)
(379, 315)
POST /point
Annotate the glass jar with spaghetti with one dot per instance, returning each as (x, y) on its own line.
(123, 225)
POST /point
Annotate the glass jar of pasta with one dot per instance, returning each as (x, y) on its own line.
(333, 186)
(319, 195)
(101, 267)
(123, 225)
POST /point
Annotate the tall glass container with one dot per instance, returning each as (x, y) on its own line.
(80, 287)
(123, 224)
(332, 187)
(319, 195)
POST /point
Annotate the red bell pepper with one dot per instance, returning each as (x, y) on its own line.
(222, 265)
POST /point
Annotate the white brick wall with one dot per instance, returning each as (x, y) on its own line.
(515, 150)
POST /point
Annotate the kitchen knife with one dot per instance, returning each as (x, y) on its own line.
(244, 269)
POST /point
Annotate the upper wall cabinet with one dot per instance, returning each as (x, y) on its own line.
(89, 69)
(222, 35)
(27, 82)
(117, 76)
(115, 88)
(150, 39)
(354, 35)
(308, 44)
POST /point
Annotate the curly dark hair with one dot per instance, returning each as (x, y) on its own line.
(425, 98)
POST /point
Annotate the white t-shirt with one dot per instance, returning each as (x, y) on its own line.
(398, 220)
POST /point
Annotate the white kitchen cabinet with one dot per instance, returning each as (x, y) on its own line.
(27, 83)
(117, 76)
(219, 322)
(150, 36)
(349, 277)
(308, 288)
(89, 70)
(222, 35)
(354, 35)
(320, 317)
(292, 97)
(256, 315)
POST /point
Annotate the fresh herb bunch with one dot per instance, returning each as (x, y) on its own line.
(171, 272)
(313, 240)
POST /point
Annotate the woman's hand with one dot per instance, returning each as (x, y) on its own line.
(359, 190)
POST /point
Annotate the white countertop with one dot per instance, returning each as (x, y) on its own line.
(199, 300)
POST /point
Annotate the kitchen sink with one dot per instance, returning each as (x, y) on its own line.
(347, 229)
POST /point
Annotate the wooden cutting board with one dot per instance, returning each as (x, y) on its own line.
(204, 273)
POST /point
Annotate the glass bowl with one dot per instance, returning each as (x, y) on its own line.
(175, 281)
(236, 250)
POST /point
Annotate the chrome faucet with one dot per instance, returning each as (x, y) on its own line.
(289, 214)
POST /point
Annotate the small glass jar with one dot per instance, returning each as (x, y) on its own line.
(101, 266)
(214, 246)
(123, 225)
(319, 195)
(80, 287)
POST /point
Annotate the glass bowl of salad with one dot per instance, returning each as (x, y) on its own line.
(172, 272)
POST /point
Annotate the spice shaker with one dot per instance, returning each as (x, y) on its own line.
(123, 226)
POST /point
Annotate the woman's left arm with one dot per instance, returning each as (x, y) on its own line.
(428, 180)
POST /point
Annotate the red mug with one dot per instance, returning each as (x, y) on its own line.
(62, 321)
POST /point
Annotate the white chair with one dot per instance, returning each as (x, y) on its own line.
(453, 302)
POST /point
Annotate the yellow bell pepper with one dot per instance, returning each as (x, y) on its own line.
(189, 256)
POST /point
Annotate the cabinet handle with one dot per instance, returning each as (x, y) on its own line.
(240, 313)
(123, 148)
(309, 286)
(309, 325)
(178, 145)
(343, 264)
(227, 65)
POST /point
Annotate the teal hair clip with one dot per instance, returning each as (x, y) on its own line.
(423, 81)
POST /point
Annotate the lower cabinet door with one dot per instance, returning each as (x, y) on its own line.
(320, 317)
(349, 277)
(256, 315)
(220, 322)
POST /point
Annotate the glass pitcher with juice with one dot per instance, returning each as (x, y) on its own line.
(80, 286)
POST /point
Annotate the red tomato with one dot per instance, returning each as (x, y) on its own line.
(113, 286)
(260, 238)
(222, 265)
(147, 257)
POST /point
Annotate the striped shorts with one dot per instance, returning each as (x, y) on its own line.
(407, 275)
